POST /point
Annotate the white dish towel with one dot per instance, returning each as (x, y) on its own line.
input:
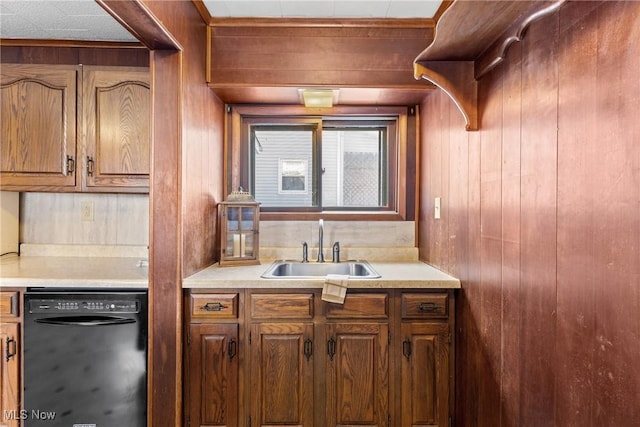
(335, 288)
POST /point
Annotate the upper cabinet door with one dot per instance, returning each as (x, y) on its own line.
(116, 106)
(38, 136)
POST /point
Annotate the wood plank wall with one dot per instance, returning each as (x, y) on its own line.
(186, 187)
(335, 55)
(49, 54)
(541, 221)
(202, 128)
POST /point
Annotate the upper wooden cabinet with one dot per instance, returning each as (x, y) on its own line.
(38, 125)
(116, 113)
(75, 128)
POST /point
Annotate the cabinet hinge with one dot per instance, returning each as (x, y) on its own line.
(389, 337)
(249, 422)
(389, 420)
(188, 337)
(449, 421)
(449, 338)
(249, 338)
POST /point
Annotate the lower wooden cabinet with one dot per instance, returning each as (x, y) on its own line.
(214, 384)
(10, 344)
(281, 391)
(286, 358)
(425, 374)
(357, 375)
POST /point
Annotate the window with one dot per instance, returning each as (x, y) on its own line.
(334, 163)
(292, 176)
(355, 167)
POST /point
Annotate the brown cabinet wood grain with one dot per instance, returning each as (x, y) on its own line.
(376, 360)
(282, 366)
(116, 120)
(10, 356)
(75, 128)
(9, 370)
(213, 386)
(214, 306)
(357, 375)
(38, 117)
(425, 374)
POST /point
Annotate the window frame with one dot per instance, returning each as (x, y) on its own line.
(237, 160)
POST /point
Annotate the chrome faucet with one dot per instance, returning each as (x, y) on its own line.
(320, 235)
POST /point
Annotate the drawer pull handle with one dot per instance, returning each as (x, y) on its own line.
(308, 348)
(71, 165)
(213, 306)
(11, 348)
(232, 348)
(89, 166)
(406, 348)
(428, 307)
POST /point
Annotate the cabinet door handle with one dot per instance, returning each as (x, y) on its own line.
(308, 348)
(89, 166)
(331, 348)
(406, 348)
(213, 306)
(71, 165)
(232, 348)
(11, 348)
(428, 307)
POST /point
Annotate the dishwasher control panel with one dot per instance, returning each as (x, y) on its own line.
(45, 305)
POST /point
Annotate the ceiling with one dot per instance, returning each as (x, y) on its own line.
(81, 20)
(85, 20)
(322, 8)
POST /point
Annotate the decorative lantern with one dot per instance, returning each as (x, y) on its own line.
(239, 218)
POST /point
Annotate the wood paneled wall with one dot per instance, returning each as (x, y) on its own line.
(541, 221)
(334, 55)
(50, 54)
(186, 187)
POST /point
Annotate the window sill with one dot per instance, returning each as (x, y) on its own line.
(332, 215)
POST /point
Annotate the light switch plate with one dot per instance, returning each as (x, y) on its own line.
(436, 209)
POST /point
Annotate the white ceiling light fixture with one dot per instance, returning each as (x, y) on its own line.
(319, 98)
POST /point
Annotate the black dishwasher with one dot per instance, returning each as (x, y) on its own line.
(85, 359)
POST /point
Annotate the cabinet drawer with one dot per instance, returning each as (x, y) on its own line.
(214, 306)
(282, 306)
(360, 306)
(9, 304)
(419, 306)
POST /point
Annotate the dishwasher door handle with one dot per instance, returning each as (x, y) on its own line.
(86, 320)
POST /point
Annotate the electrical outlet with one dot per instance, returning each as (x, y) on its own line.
(86, 211)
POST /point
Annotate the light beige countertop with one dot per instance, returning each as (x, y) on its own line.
(71, 271)
(411, 274)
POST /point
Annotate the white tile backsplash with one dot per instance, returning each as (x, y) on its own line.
(361, 234)
(55, 218)
(123, 220)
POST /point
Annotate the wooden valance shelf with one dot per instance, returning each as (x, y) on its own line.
(471, 38)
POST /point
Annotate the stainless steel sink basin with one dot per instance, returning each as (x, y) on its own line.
(307, 270)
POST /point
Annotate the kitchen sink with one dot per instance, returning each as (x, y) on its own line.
(306, 270)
